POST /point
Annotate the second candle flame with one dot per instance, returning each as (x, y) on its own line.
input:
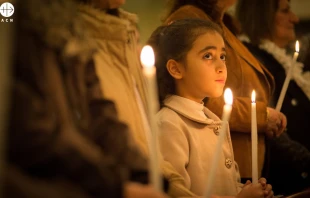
(228, 97)
(297, 46)
(147, 56)
(253, 96)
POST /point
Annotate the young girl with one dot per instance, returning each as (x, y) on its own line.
(190, 59)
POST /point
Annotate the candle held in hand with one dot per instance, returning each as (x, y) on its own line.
(228, 97)
(287, 79)
(149, 71)
(254, 140)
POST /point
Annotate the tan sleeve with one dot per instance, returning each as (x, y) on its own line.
(240, 119)
(175, 152)
(185, 12)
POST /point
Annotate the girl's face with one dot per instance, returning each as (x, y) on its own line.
(204, 70)
(284, 23)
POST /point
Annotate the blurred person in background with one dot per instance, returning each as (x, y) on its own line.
(268, 28)
(65, 138)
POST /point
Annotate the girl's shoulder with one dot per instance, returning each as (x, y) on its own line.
(167, 113)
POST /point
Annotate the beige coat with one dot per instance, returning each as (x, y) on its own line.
(188, 134)
(120, 74)
(244, 73)
(117, 65)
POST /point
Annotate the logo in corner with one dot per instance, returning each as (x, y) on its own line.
(6, 9)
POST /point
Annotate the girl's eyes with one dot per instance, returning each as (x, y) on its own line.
(210, 56)
(223, 57)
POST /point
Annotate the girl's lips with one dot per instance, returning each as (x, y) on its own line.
(220, 81)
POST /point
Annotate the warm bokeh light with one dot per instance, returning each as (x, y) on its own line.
(228, 96)
(253, 96)
(147, 56)
(297, 46)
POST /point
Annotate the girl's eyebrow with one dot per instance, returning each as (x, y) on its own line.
(210, 47)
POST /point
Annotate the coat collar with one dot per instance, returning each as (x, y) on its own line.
(192, 110)
(105, 26)
(104, 17)
(248, 57)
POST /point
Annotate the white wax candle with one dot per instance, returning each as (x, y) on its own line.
(149, 71)
(254, 140)
(287, 79)
(223, 130)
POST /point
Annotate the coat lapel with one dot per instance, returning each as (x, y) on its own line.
(241, 50)
(247, 56)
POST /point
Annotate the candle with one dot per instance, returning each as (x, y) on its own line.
(149, 71)
(228, 97)
(254, 140)
(287, 79)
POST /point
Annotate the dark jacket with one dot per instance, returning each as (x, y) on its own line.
(287, 158)
(296, 105)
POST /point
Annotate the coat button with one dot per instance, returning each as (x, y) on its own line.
(294, 102)
(228, 163)
(216, 130)
(304, 175)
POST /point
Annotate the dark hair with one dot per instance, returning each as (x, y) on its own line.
(256, 18)
(208, 6)
(173, 42)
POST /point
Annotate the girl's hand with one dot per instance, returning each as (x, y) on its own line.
(268, 193)
(250, 190)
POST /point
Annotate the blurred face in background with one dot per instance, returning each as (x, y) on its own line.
(284, 24)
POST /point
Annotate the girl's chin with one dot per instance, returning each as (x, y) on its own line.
(215, 95)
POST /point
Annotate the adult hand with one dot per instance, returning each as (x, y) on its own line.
(276, 123)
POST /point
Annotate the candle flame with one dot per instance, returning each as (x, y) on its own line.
(228, 97)
(297, 46)
(253, 96)
(147, 56)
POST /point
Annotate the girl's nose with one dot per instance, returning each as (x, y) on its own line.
(221, 67)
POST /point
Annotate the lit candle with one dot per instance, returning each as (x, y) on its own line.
(149, 71)
(287, 79)
(228, 97)
(254, 140)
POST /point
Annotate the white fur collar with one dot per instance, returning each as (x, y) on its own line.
(301, 78)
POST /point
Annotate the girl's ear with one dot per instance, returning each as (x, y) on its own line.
(175, 69)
